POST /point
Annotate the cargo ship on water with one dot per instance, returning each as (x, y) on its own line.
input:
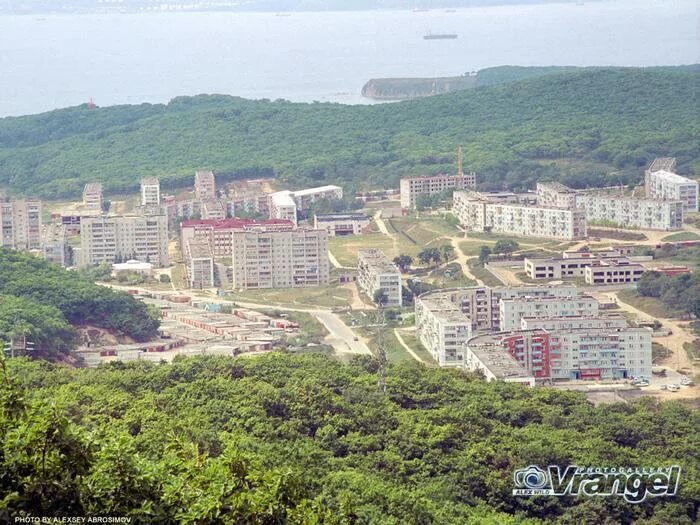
(439, 36)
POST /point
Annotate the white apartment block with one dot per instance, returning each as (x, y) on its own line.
(150, 191)
(614, 271)
(512, 310)
(339, 224)
(119, 238)
(586, 353)
(489, 359)
(55, 247)
(93, 198)
(443, 329)
(628, 212)
(212, 209)
(20, 224)
(661, 182)
(481, 304)
(200, 264)
(204, 185)
(412, 187)
(572, 323)
(476, 212)
(286, 204)
(282, 206)
(219, 233)
(556, 195)
(376, 272)
(280, 259)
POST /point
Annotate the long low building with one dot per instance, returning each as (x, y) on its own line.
(340, 224)
(479, 213)
(614, 271)
(577, 267)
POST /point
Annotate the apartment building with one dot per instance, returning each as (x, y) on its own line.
(575, 322)
(178, 210)
(443, 329)
(287, 204)
(556, 195)
(112, 239)
(204, 185)
(93, 197)
(20, 224)
(587, 353)
(661, 182)
(376, 272)
(150, 191)
(494, 364)
(219, 233)
(55, 247)
(614, 271)
(481, 304)
(412, 187)
(629, 212)
(512, 310)
(479, 213)
(280, 259)
(199, 264)
(340, 224)
(212, 209)
(567, 267)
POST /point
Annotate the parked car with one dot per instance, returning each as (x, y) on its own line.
(663, 387)
(673, 388)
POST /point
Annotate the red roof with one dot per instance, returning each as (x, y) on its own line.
(236, 223)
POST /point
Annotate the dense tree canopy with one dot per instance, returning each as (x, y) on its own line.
(80, 301)
(309, 440)
(681, 292)
(576, 127)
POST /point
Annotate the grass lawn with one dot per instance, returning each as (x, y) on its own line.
(658, 351)
(482, 273)
(177, 275)
(620, 235)
(319, 297)
(411, 340)
(495, 237)
(649, 305)
(345, 248)
(455, 277)
(681, 236)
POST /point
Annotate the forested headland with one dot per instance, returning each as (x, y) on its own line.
(44, 302)
(305, 439)
(593, 127)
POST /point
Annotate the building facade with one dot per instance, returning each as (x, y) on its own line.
(280, 259)
(288, 204)
(219, 233)
(569, 267)
(376, 272)
(412, 187)
(614, 271)
(512, 310)
(199, 264)
(150, 192)
(478, 213)
(20, 224)
(556, 195)
(443, 329)
(628, 212)
(204, 185)
(340, 224)
(93, 198)
(120, 238)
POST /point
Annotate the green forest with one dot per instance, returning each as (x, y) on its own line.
(590, 127)
(43, 302)
(308, 440)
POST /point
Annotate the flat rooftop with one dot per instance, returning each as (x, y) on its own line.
(199, 249)
(93, 187)
(150, 181)
(673, 177)
(313, 191)
(499, 362)
(377, 260)
(446, 310)
(341, 217)
(556, 186)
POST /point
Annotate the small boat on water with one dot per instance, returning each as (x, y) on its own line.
(439, 36)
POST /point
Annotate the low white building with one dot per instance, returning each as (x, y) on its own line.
(339, 224)
(133, 266)
(286, 204)
(376, 272)
(614, 272)
(495, 364)
(569, 267)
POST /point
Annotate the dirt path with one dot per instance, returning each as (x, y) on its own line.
(384, 230)
(462, 260)
(674, 342)
(406, 347)
(357, 303)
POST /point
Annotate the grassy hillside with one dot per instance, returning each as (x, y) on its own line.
(305, 440)
(575, 127)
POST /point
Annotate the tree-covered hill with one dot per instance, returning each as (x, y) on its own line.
(42, 300)
(574, 126)
(307, 440)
